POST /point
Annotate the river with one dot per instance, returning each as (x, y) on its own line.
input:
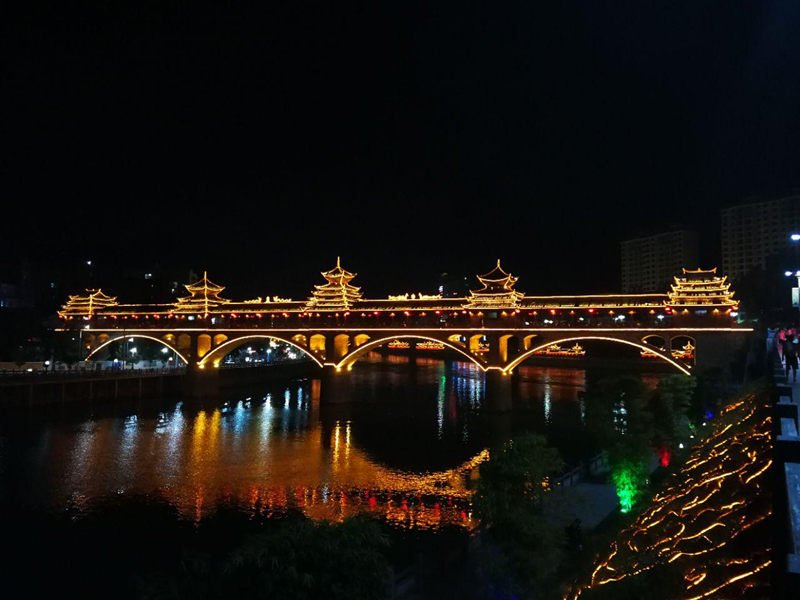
(405, 444)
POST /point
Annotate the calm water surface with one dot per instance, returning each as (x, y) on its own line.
(406, 445)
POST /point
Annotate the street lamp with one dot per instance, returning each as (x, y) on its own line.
(794, 237)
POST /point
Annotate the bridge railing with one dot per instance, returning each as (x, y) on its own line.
(595, 465)
(78, 373)
(399, 321)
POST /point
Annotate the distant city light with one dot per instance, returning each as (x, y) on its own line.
(88, 263)
(130, 339)
(787, 273)
(164, 350)
(795, 237)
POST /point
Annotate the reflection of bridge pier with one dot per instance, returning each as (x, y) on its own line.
(201, 383)
(498, 391)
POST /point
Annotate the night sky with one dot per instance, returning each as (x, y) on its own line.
(412, 138)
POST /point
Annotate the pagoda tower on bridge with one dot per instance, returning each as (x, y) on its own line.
(204, 295)
(701, 287)
(337, 293)
(86, 306)
(497, 291)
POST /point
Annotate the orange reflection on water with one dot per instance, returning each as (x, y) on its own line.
(248, 456)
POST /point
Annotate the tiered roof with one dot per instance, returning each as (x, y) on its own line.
(337, 293)
(701, 287)
(204, 295)
(497, 291)
(78, 305)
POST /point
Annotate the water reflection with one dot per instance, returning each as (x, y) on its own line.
(406, 447)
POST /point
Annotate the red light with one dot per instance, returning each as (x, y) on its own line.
(591, 310)
(552, 311)
(406, 313)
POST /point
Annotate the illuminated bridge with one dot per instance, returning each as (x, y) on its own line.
(495, 326)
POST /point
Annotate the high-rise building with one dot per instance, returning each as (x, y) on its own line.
(755, 231)
(650, 263)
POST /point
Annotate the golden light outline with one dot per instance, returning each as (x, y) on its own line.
(361, 350)
(134, 335)
(213, 351)
(528, 353)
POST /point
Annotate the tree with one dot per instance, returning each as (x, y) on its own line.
(622, 422)
(313, 560)
(526, 550)
(297, 558)
(674, 396)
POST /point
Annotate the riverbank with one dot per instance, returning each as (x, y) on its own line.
(708, 530)
(49, 388)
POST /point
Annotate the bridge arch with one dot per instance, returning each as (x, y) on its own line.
(683, 346)
(682, 368)
(456, 339)
(655, 340)
(135, 335)
(220, 351)
(676, 341)
(350, 359)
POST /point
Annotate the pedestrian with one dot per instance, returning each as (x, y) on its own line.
(790, 355)
(781, 343)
